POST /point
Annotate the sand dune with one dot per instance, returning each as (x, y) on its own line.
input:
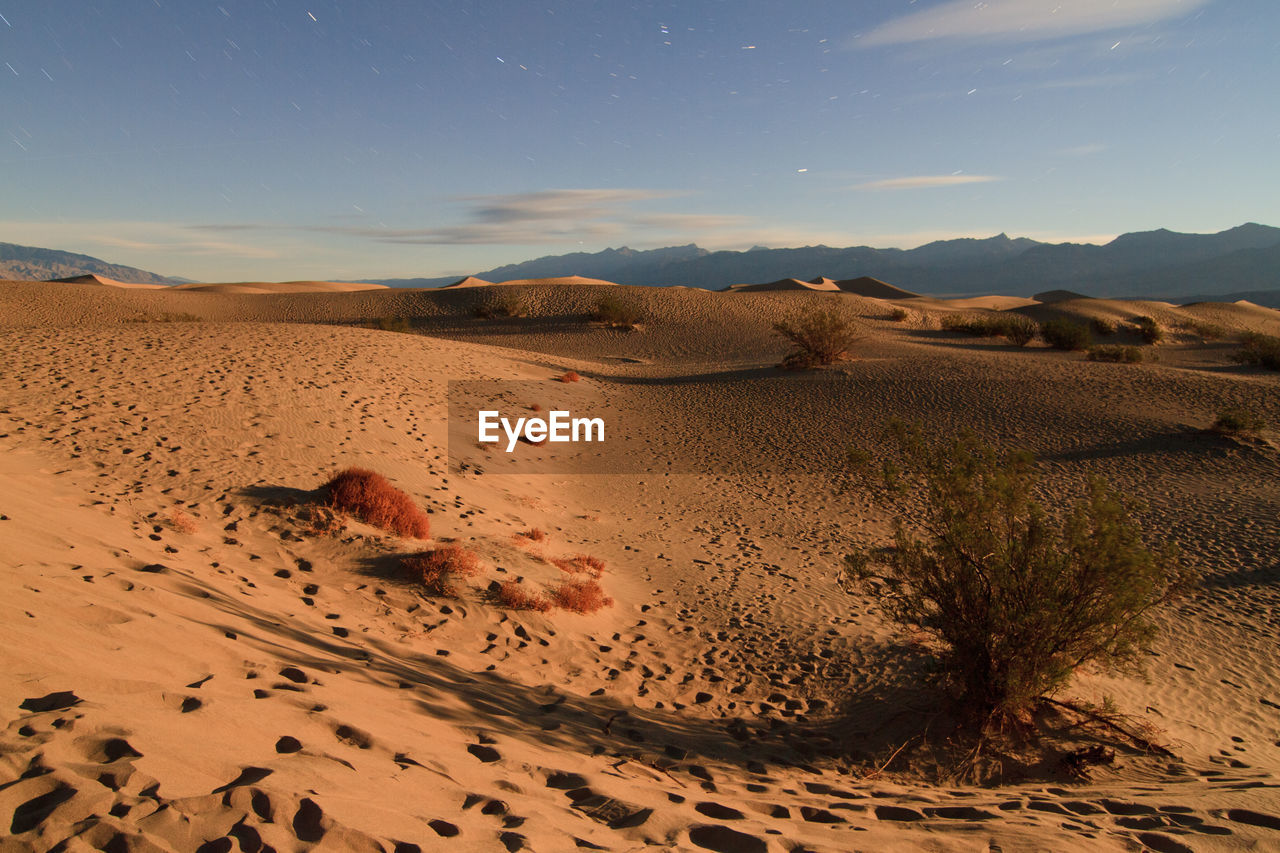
(785, 284)
(469, 281)
(282, 287)
(568, 279)
(109, 282)
(195, 655)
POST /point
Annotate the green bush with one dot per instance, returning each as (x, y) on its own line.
(617, 313)
(1207, 331)
(1237, 421)
(1065, 335)
(1150, 330)
(1260, 350)
(818, 338)
(1015, 601)
(1128, 355)
(1018, 329)
(1104, 325)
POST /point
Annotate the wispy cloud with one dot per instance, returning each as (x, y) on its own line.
(918, 182)
(1023, 20)
(548, 216)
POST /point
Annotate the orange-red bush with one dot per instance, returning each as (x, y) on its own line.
(371, 498)
(532, 535)
(437, 568)
(580, 596)
(516, 597)
(583, 563)
(570, 377)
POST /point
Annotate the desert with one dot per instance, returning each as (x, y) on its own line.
(202, 653)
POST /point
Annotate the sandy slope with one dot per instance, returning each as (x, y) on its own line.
(185, 661)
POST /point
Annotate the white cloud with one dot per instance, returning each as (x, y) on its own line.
(918, 182)
(1023, 20)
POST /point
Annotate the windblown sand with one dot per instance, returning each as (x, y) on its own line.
(195, 658)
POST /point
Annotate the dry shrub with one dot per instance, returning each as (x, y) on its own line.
(1104, 325)
(182, 522)
(1015, 600)
(436, 569)
(898, 315)
(570, 376)
(1237, 421)
(1111, 352)
(1150, 330)
(531, 535)
(514, 596)
(1260, 350)
(617, 313)
(1065, 335)
(580, 596)
(371, 498)
(535, 407)
(818, 338)
(580, 564)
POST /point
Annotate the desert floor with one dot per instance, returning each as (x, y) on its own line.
(196, 658)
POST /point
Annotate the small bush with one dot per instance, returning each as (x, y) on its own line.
(580, 595)
(818, 338)
(1259, 350)
(1065, 335)
(533, 534)
(182, 522)
(1128, 355)
(371, 498)
(501, 302)
(1237, 421)
(617, 313)
(570, 376)
(898, 315)
(1150, 330)
(580, 563)
(1206, 331)
(437, 569)
(1104, 325)
(389, 324)
(1015, 601)
(514, 596)
(1017, 328)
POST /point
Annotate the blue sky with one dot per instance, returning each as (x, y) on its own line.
(285, 139)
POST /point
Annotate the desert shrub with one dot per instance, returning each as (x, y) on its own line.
(1015, 601)
(580, 563)
(1065, 335)
(1017, 328)
(533, 534)
(1128, 355)
(514, 596)
(818, 338)
(371, 498)
(617, 313)
(1207, 331)
(182, 522)
(898, 315)
(1104, 325)
(569, 376)
(580, 595)
(1150, 330)
(1260, 350)
(389, 324)
(437, 569)
(1235, 421)
(501, 302)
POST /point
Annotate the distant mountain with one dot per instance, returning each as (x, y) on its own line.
(29, 263)
(1151, 263)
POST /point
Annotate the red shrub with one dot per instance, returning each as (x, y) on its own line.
(516, 597)
(570, 377)
(535, 407)
(531, 535)
(581, 596)
(437, 568)
(371, 498)
(583, 563)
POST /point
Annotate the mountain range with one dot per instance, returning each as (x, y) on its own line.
(1239, 263)
(1242, 261)
(29, 263)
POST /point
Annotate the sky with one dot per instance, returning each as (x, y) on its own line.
(225, 140)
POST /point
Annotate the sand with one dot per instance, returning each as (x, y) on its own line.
(189, 662)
